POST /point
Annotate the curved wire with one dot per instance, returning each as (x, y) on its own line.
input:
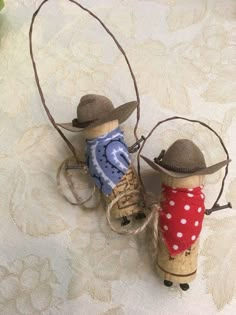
(193, 121)
(68, 143)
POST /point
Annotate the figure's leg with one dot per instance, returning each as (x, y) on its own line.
(124, 221)
(168, 283)
(140, 215)
(184, 286)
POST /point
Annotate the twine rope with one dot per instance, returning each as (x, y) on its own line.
(154, 209)
(62, 170)
(155, 236)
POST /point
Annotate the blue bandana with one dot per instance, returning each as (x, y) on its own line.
(108, 160)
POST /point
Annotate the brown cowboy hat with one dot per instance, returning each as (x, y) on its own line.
(94, 110)
(183, 159)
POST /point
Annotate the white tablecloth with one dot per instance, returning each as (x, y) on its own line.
(60, 259)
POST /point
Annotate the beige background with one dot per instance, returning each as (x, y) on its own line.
(58, 259)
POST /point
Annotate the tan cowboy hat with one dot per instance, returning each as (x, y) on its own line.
(183, 159)
(94, 110)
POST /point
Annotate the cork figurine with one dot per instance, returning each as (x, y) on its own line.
(182, 208)
(107, 154)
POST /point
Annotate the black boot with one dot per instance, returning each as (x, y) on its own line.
(184, 286)
(140, 216)
(168, 283)
(124, 221)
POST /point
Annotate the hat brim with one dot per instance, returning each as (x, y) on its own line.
(206, 171)
(120, 113)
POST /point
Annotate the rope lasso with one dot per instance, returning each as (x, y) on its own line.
(80, 163)
(55, 125)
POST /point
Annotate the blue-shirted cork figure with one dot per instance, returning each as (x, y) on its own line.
(107, 154)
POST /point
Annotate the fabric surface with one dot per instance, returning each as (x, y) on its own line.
(57, 259)
(108, 160)
(181, 217)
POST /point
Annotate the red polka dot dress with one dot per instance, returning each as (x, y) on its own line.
(181, 217)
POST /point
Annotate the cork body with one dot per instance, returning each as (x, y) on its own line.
(127, 205)
(180, 268)
(98, 131)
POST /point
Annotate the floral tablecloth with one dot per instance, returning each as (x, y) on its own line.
(59, 259)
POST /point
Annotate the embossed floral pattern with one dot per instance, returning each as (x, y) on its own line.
(183, 53)
(214, 53)
(184, 13)
(178, 73)
(27, 286)
(220, 253)
(105, 261)
(30, 204)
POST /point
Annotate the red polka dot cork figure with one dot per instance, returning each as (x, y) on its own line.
(182, 207)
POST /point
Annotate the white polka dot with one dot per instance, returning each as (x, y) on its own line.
(202, 196)
(169, 216)
(172, 203)
(190, 195)
(193, 237)
(183, 221)
(165, 227)
(199, 209)
(174, 191)
(175, 247)
(190, 189)
(179, 234)
(186, 207)
(196, 223)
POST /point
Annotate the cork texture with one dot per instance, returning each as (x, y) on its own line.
(129, 204)
(181, 268)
